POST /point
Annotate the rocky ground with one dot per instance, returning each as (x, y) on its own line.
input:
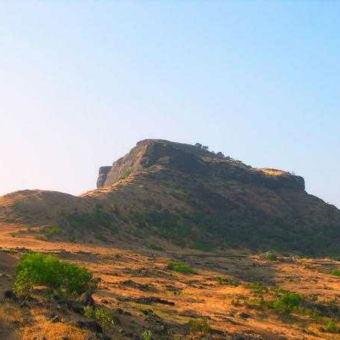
(217, 296)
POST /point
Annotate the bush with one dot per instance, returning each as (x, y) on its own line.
(181, 268)
(51, 231)
(332, 327)
(227, 281)
(335, 272)
(258, 287)
(269, 255)
(46, 270)
(199, 326)
(101, 315)
(146, 335)
(287, 302)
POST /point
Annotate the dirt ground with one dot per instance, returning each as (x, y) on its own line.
(144, 294)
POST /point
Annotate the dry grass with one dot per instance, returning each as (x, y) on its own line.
(9, 317)
(273, 172)
(127, 275)
(53, 331)
(10, 313)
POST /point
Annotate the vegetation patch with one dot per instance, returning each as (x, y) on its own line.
(77, 221)
(227, 281)
(204, 246)
(287, 302)
(271, 256)
(46, 232)
(258, 287)
(331, 327)
(146, 335)
(61, 278)
(200, 326)
(166, 224)
(126, 174)
(335, 272)
(181, 267)
(101, 315)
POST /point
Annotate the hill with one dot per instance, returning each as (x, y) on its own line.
(164, 192)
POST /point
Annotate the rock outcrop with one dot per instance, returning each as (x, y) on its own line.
(103, 171)
(152, 154)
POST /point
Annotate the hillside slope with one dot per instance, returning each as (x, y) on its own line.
(191, 197)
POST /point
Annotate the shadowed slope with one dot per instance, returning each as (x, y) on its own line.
(191, 197)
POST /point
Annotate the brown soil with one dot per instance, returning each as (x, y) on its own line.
(143, 294)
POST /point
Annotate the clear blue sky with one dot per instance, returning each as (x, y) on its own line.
(82, 81)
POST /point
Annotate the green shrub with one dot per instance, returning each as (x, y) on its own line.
(335, 272)
(199, 326)
(269, 255)
(47, 232)
(332, 327)
(50, 231)
(258, 287)
(287, 302)
(181, 267)
(101, 315)
(46, 270)
(89, 312)
(227, 281)
(146, 335)
(126, 174)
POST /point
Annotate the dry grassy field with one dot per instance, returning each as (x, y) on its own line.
(177, 294)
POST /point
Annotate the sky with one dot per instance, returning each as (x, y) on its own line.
(82, 81)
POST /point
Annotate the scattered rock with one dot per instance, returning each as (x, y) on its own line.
(53, 317)
(173, 289)
(24, 304)
(86, 299)
(190, 314)
(247, 337)
(104, 337)
(147, 312)
(123, 312)
(149, 300)
(140, 286)
(78, 309)
(90, 325)
(9, 294)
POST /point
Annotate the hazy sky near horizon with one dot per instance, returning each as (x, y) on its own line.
(82, 81)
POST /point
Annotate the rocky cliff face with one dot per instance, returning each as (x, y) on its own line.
(150, 155)
(103, 171)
